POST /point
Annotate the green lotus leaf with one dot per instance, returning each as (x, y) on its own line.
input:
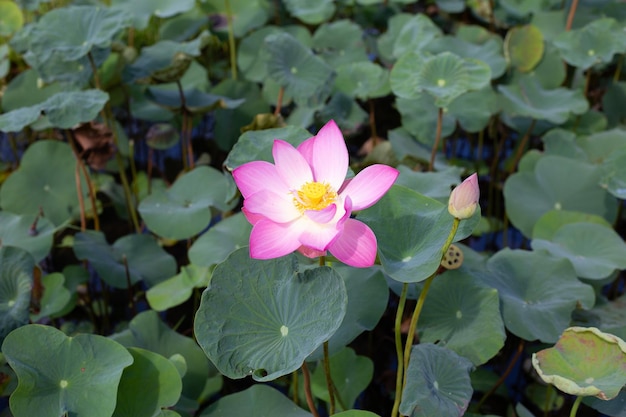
(451, 6)
(60, 375)
(553, 220)
(142, 10)
(537, 292)
(196, 101)
(612, 100)
(414, 34)
(162, 136)
(184, 210)
(257, 145)
(149, 384)
(444, 76)
(557, 183)
(16, 281)
(488, 51)
(463, 316)
(603, 145)
(361, 284)
(615, 407)
(346, 112)
(411, 230)
(591, 122)
(596, 251)
(435, 185)
(259, 399)
(362, 80)
(614, 175)
(438, 383)
(55, 296)
(385, 42)
(549, 72)
(11, 18)
(523, 47)
(305, 76)
(28, 232)
(474, 109)
(183, 26)
(592, 44)
(561, 142)
(419, 118)
(340, 43)
(131, 258)
(522, 8)
(350, 373)
(527, 98)
(584, 362)
(246, 14)
(176, 290)
(214, 246)
(5, 64)
(312, 13)
(263, 318)
(44, 181)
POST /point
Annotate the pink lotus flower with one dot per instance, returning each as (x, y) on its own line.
(303, 201)
(464, 198)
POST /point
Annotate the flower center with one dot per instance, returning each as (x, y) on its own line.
(314, 196)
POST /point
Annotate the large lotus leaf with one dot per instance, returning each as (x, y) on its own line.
(361, 284)
(64, 110)
(362, 80)
(411, 230)
(149, 384)
(346, 112)
(147, 331)
(142, 10)
(176, 290)
(25, 91)
(489, 51)
(11, 18)
(438, 383)
(263, 317)
(522, 8)
(311, 12)
(608, 316)
(305, 76)
(444, 76)
(596, 251)
(592, 44)
(419, 118)
(549, 72)
(55, 296)
(183, 26)
(385, 42)
(463, 316)
(435, 185)
(257, 400)
(16, 281)
(196, 101)
(524, 47)
(556, 183)
(527, 98)
(161, 58)
(561, 142)
(350, 373)
(474, 109)
(251, 54)
(588, 123)
(28, 232)
(220, 241)
(184, 210)
(257, 145)
(340, 42)
(584, 362)
(537, 292)
(246, 14)
(414, 35)
(612, 100)
(4, 60)
(44, 181)
(603, 145)
(614, 175)
(615, 407)
(92, 26)
(132, 257)
(553, 220)
(58, 374)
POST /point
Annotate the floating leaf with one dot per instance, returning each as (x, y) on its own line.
(246, 15)
(55, 296)
(350, 373)
(220, 241)
(149, 384)
(263, 317)
(592, 44)
(83, 381)
(16, 281)
(463, 316)
(419, 118)
(557, 183)
(340, 43)
(176, 290)
(474, 109)
(362, 80)
(523, 47)
(132, 257)
(487, 50)
(312, 13)
(142, 10)
(584, 362)
(596, 251)
(438, 383)
(184, 210)
(11, 18)
(416, 32)
(385, 42)
(259, 399)
(538, 292)
(553, 220)
(28, 232)
(435, 185)
(527, 98)
(614, 175)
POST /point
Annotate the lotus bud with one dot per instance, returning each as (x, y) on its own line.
(464, 198)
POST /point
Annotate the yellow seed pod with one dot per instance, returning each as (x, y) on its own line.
(453, 258)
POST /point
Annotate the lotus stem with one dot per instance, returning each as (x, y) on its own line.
(372, 121)
(520, 349)
(183, 130)
(81, 201)
(618, 69)
(231, 40)
(431, 164)
(279, 100)
(398, 339)
(307, 389)
(570, 16)
(294, 386)
(574, 410)
(329, 380)
(519, 152)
